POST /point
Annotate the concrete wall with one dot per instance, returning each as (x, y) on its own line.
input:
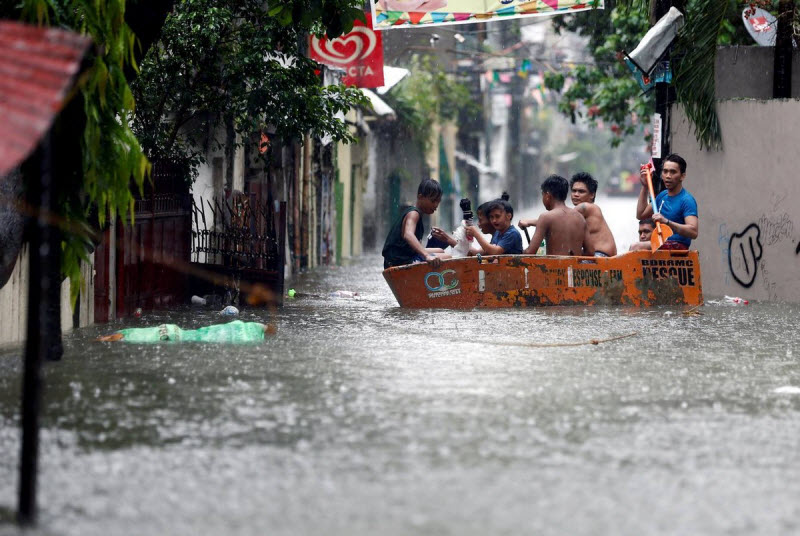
(747, 197)
(746, 72)
(14, 301)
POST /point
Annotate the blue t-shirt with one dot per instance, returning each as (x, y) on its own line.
(676, 208)
(510, 241)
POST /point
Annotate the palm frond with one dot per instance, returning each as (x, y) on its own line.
(626, 6)
(695, 54)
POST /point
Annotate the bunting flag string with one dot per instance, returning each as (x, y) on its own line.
(402, 13)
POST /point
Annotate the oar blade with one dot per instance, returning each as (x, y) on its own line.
(659, 236)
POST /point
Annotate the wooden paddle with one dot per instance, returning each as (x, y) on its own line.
(660, 234)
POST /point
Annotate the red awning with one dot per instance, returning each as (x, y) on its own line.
(38, 67)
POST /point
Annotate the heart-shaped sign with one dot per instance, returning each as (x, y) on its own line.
(358, 53)
(356, 45)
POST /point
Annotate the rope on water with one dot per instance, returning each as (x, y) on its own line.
(555, 344)
(694, 310)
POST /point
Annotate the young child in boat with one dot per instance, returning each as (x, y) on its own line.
(506, 239)
(403, 244)
(440, 238)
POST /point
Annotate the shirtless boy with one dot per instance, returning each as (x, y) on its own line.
(564, 228)
(584, 190)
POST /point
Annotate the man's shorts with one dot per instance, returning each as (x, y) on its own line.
(419, 258)
(601, 254)
(673, 245)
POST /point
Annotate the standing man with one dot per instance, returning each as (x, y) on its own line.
(584, 190)
(677, 207)
(564, 228)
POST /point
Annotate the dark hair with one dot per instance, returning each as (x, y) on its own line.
(586, 179)
(678, 160)
(429, 189)
(647, 221)
(556, 186)
(505, 196)
(502, 204)
(483, 208)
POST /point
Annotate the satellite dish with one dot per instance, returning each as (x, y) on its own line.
(762, 26)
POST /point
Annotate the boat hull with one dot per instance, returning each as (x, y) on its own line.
(635, 279)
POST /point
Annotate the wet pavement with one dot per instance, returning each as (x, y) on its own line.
(358, 417)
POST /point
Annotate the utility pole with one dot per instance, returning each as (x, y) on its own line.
(664, 92)
(45, 247)
(782, 74)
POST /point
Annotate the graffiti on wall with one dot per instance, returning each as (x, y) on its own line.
(745, 249)
(775, 229)
(744, 252)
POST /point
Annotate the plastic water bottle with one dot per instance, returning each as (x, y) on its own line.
(735, 300)
(543, 248)
(229, 311)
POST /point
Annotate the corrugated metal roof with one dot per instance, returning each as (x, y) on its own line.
(37, 69)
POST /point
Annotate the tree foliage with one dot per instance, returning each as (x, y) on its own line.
(238, 63)
(233, 58)
(110, 153)
(607, 91)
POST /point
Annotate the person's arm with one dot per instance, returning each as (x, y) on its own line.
(531, 222)
(690, 229)
(588, 247)
(409, 226)
(538, 236)
(439, 234)
(643, 208)
(488, 249)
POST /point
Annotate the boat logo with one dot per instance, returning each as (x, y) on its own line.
(442, 283)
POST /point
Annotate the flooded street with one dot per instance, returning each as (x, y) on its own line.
(358, 417)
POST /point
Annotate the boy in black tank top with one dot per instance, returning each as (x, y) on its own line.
(403, 245)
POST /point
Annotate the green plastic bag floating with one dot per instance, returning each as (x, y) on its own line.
(236, 332)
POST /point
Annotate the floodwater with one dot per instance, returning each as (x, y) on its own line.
(359, 418)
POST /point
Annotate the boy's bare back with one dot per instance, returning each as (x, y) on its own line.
(565, 231)
(600, 236)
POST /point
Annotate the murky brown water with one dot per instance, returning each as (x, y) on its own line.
(362, 418)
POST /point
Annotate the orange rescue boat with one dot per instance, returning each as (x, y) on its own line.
(640, 278)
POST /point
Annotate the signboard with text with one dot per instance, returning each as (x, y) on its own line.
(655, 151)
(359, 53)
